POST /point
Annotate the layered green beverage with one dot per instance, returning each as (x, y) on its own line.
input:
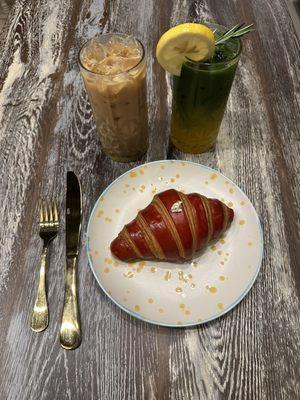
(200, 95)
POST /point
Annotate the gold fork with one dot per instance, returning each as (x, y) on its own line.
(49, 225)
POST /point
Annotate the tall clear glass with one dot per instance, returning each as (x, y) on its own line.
(113, 68)
(200, 95)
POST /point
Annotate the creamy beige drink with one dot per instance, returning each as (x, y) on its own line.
(113, 68)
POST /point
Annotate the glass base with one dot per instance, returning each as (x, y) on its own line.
(195, 150)
(135, 157)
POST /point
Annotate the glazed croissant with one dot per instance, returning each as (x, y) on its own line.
(173, 227)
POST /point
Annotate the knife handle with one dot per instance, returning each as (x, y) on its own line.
(70, 334)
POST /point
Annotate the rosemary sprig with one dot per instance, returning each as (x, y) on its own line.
(235, 32)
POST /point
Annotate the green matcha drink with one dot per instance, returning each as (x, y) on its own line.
(200, 95)
(203, 60)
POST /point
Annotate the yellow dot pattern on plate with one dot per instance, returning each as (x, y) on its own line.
(193, 285)
(99, 213)
(107, 219)
(150, 300)
(222, 278)
(222, 263)
(181, 305)
(227, 254)
(161, 310)
(187, 312)
(222, 241)
(231, 190)
(213, 247)
(167, 276)
(211, 289)
(190, 276)
(220, 252)
(220, 306)
(250, 244)
(178, 289)
(213, 176)
(106, 270)
(179, 323)
(142, 171)
(242, 222)
(162, 167)
(177, 176)
(108, 260)
(153, 270)
(128, 274)
(117, 210)
(116, 263)
(172, 180)
(133, 174)
(242, 203)
(127, 185)
(230, 204)
(194, 264)
(181, 276)
(125, 299)
(101, 198)
(136, 308)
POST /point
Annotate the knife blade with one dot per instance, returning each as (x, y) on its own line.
(73, 214)
(70, 332)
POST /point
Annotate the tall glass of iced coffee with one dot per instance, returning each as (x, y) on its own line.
(113, 67)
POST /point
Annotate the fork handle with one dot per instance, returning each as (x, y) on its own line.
(70, 333)
(40, 313)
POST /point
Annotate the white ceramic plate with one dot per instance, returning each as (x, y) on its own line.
(166, 293)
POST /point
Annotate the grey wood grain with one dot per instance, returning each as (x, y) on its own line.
(47, 128)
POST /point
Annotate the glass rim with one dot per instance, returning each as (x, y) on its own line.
(118, 73)
(235, 56)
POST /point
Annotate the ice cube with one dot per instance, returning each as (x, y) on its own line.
(95, 50)
(92, 54)
(130, 62)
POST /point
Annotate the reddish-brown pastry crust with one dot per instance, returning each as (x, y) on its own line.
(173, 227)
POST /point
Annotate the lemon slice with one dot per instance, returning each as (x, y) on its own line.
(195, 41)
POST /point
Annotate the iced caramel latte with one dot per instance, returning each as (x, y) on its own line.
(113, 68)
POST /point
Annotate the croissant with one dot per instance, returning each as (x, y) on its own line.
(173, 227)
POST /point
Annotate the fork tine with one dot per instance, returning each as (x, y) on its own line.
(55, 210)
(50, 213)
(41, 213)
(45, 212)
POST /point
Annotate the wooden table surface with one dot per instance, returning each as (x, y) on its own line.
(46, 128)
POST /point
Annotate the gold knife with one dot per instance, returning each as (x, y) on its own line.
(70, 332)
